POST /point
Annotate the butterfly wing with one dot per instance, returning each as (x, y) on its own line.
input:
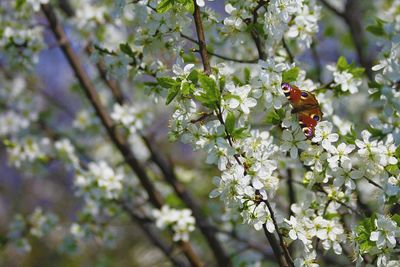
(308, 119)
(306, 105)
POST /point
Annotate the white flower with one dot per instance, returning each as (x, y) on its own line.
(323, 133)
(12, 122)
(393, 186)
(292, 142)
(258, 216)
(386, 232)
(36, 4)
(100, 181)
(345, 79)
(232, 184)
(314, 155)
(345, 175)
(240, 98)
(308, 261)
(339, 153)
(133, 117)
(219, 153)
(181, 221)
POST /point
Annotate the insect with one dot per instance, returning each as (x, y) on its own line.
(306, 106)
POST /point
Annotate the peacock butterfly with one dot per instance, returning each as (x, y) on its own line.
(306, 106)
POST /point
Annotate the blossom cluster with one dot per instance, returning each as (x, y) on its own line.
(180, 221)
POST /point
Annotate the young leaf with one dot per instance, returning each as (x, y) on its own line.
(166, 82)
(377, 28)
(342, 63)
(173, 91)
(164, 6)
(290, 75)
(230, 122)
(126, 48)
(211, 93)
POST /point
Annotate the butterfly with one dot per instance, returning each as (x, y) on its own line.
(306, 106)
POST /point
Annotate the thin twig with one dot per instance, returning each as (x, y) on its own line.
(290, 54)
(373, 183)
(291, 191)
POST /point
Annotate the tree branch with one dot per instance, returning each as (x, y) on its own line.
(201, 38)
(352, 17)
(118, 140)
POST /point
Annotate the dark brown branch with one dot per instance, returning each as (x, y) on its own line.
(118, 140)
(168, 172)
(317, 61)
(283, 245)
(280, 256)
(352, 16)
(201, 38)
(259, 42)
(201, 220)
(154, 238)
(290, 54)
(332, 8)
(250, 61)
(291, 191)
(112, 84)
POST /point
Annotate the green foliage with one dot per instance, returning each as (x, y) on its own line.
(350, 137)
(126, 49)
(230, 122)
(19, 4)
(172, 85)
(377, 28)
(275, 117)
(166, 5)
(210, 96)
(363, 233)
(396, 219)
(290, 75)
(343, 65)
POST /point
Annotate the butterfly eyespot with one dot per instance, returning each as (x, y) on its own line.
(285, 88)
(304, 95)
(307, 132)
(315, 117)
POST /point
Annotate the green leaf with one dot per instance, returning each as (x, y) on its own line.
(164, 6)
(230, 122)
(166, 82)
(240, 133)
(363, 230)
(211, 95)
(273, 117)
(189, 6)
(392, 169)
(377, 29)
(19, 4)
(247, 75)
(173, 91)
(290, 75)
(396, 219)
(193, 76)
(237, 81)
(397, 153)
(357, 72)
(342, 63)
(126, 49)
(221, 83)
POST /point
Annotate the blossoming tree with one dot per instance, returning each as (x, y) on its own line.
(90, 91)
